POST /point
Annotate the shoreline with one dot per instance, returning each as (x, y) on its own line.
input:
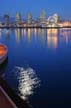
(34, 27)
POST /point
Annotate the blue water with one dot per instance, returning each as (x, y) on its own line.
(39, 65)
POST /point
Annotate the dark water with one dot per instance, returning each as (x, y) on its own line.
(39, 65)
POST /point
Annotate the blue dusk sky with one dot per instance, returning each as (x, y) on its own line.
(62, 7)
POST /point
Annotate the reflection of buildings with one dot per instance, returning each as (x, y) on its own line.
(7, 32)
(18, 34)
(29, 33)
(35, 31)
(66, 33)
(24, 32)
(43, 35)
(52, 38)
(42, 32)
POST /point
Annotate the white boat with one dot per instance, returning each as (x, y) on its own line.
(3, 53)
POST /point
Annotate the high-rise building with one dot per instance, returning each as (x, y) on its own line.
(6, 19)
(18, 17)
(29, 18)
(42, 16)
(56, 17)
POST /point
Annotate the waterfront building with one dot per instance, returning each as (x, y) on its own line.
(29, 18)
(53, 21)
(65, 24)
(42, 16)
(56, 17)
(18, 17)
(6, 19)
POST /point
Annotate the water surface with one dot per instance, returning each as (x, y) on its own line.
(39, 65)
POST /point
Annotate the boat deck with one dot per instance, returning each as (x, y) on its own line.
(5, 100)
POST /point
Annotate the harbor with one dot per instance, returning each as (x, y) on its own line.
(35, 54)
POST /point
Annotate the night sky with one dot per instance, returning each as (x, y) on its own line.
(62, 7)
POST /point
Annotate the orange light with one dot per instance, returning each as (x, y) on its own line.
(2, 50)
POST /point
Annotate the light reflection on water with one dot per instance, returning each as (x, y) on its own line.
(49, 52)
(49, 37)
(52, 38)
(27, 81)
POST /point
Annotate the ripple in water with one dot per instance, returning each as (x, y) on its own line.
(27, 81)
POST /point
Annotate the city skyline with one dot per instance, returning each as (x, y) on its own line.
(11, 7)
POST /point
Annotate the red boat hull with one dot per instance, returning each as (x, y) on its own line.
(3, 53)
